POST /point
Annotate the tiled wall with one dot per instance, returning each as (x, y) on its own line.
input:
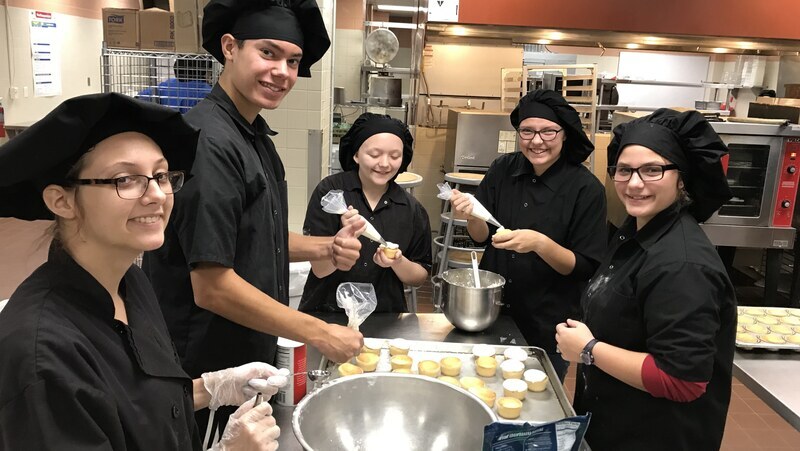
(306, 107)
(349, 54)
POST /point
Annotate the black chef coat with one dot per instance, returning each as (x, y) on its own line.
(566, 203)
(232, 212)
(663, 290)
(74, 378)
(398, 217)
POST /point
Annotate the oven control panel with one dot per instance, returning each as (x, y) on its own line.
(787, 183)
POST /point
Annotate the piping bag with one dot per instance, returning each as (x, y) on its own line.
(334, 203)
(478, 210)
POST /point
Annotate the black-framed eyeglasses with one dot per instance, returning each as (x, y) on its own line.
(134, 186)
(647, 173)
(528, 134)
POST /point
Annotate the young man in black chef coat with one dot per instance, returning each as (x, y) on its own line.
(222, 276)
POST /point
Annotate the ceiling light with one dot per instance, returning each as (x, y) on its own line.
(746, 45)
(396, 8)
(632, 45)
(458, 31)
(719, 50)
(651, 39)
(544, 41)
(555, 35)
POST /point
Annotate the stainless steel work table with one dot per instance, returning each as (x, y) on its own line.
(420, 326)
(772, 376)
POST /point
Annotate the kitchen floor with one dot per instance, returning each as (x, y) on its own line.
(751, 425)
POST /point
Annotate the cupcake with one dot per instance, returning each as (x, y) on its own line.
(782, 329)
(779, 312)
(486, 395)
(502, 231)
(348, 369)
(450, 380)
(402, 371)
(401, 362)
(746, 338)
(486, 366)
(515, 388)
(399, 346)
(483, 351)
(514, 353)
(536, 380)
(451, 366)
(367, 361)
(745, 320)
(428, 368)
(773, 339)
(768, 320)
(757, 328)
(512, 369)
(372, 346)
(468, 382)
(509, 408)
(389, 250)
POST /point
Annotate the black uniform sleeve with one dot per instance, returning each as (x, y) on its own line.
(419, 250)
(486, 194)
(53, 415)
(318, 222)
(588, 234)
(681, 312)
(209, 208)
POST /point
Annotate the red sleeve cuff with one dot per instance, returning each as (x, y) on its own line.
(662, 385)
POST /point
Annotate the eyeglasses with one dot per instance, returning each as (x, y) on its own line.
(547, 135)
(648, 173)
(134, 186)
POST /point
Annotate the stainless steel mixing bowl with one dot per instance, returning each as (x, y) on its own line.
(466, 307)
(390, 411)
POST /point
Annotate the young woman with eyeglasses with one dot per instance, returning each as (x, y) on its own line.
(556, 209)
(659, 317)
(86, 361)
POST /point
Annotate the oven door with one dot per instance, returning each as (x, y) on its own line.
(752, 169)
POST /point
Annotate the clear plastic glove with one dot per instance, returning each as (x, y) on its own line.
(358, 300)
(250, 428)
(233, 386)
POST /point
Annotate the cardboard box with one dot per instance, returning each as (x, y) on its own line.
(767, 100)
(792, 90)
(157, 30)
(763, 110)
(121, 28)
(187, 27)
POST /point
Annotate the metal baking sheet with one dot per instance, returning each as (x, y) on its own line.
(764, 316)
(542, 407)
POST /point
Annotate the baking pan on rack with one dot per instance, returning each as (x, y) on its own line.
(772, 328)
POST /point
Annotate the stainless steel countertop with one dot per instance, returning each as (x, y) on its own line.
(772, 376)
(420, 326)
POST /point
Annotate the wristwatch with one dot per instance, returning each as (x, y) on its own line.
(586, 355)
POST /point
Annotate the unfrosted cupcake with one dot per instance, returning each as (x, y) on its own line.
(468, 382)
(509, 408)
(486, 395)
(451, 366)
(348, 369)
(515, 388)
(486, 366)
(368, 362)
(428, 368)
(450, 380)
(536, 380)
(401, 362)
(512, 369)
(399, 346)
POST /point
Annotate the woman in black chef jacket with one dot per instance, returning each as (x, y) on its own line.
(556, 210)
(372, 153)
(86, 361)
(656, 345)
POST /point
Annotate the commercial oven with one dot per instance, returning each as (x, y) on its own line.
(475, 138)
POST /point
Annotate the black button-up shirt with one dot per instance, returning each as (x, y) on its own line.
(662, 290)
(73, 378)
(567, 204)
(398, 217)
(231, 212)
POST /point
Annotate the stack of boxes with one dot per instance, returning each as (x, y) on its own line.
(176, 30)
(787, 108)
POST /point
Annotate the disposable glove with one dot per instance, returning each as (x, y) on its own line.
(250, 428)
(233, 386)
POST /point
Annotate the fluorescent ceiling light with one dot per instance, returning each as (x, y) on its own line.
(652, 39)
(543, 41)
(397, 8)
(458, 31)
(556, 35)
(632, 45)
(719, 50)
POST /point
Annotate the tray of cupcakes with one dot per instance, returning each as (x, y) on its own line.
(771, 328)
(517, 382)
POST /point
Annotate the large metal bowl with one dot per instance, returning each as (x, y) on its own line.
(466, 307)
(389, 411)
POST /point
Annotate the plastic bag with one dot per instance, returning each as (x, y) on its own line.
(334, 203)
(358, 300)
(562, 435)
(478, 210)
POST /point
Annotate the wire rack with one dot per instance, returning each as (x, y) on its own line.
(177, 80)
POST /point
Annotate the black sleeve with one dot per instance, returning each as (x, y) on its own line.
(419, 250)
(53, 415)
(681, 311)
(318, 222)
(486, 194)
(588, 234)
(208, 210)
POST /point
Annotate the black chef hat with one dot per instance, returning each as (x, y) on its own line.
(687, 140)
(548, 104)
(369, 124)
(295, 21)
(44, 153)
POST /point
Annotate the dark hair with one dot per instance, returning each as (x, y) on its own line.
(190, 69)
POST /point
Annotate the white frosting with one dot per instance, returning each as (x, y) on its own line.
(390, 245)
(374, 343)
(512, 365)
(515, 385)
(399, 343)
(534, 375)
(483, 351)
(514, 353)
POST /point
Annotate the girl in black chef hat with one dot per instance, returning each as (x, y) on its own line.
(85, 357)
(556, 211)
(373, 152)
(656, 344)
